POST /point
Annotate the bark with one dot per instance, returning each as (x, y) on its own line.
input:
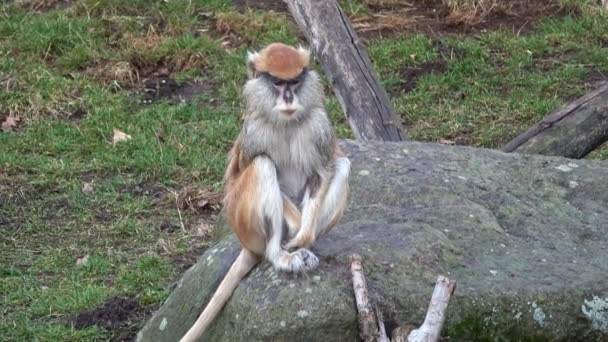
(346, 63)
(367, 320)
(572, 131)
(430, 330)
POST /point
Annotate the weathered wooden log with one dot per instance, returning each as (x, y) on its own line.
(572, 131)
(346, 63)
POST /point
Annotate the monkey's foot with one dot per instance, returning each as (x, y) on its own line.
(301, 260)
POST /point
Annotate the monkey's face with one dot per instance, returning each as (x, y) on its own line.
(286, 94)
(280, 100)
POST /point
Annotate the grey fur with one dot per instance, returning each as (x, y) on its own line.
(300, 144)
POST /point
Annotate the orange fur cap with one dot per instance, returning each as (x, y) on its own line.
(281, 61)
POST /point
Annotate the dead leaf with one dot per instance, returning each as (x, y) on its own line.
(413, 56)
(447, 142)
(119, 136)
(87, 188)
(203, 229)
(83, 260)
(9, 123)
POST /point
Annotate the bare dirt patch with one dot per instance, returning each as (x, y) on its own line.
(77, 115)
(411, 74)
(118, 315)
(144, 190)
(596, 78)
(157, 88)
(153, 80)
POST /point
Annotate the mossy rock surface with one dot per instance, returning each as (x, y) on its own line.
(525, 237)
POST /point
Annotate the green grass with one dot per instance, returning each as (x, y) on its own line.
(74, 74)
(495, 86)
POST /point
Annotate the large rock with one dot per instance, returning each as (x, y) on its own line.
(525, 237)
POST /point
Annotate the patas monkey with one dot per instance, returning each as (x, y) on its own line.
(287, 180)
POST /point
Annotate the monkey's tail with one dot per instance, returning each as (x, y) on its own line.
(239, 269)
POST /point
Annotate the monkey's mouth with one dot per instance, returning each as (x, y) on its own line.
(288, 112)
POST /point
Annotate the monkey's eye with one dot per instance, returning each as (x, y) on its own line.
(278, 83)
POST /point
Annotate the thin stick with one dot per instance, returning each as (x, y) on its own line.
(368, 329)
(179, 212)
(430, 330)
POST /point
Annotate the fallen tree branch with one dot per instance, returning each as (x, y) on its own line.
(367, 321)
(430, 330)
(572, 131)
(371, 325)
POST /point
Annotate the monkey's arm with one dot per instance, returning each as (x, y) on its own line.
(292, 217)
(316, 187)
(323, 205)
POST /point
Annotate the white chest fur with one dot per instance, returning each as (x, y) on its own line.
(297, 150)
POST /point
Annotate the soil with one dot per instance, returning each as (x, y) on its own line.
(119, 315)
(410, 74)
(168, 226)
(144, 189)
(165, 87)
(77, 115)
(595, 78)
(184, 261)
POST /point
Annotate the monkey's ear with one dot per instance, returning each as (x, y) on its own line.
(304, 55)
(252, 56)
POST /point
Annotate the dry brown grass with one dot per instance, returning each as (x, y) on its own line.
(191, 197)
(122, 73)
(41, 5)
(394, 17)
(400, 20)
(475, 12)
(145, 55)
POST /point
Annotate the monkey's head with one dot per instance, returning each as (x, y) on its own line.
(280, 85)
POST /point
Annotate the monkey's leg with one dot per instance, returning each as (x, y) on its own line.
(293, 217)
(336, 198)
(270, 213)
(323, 204)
